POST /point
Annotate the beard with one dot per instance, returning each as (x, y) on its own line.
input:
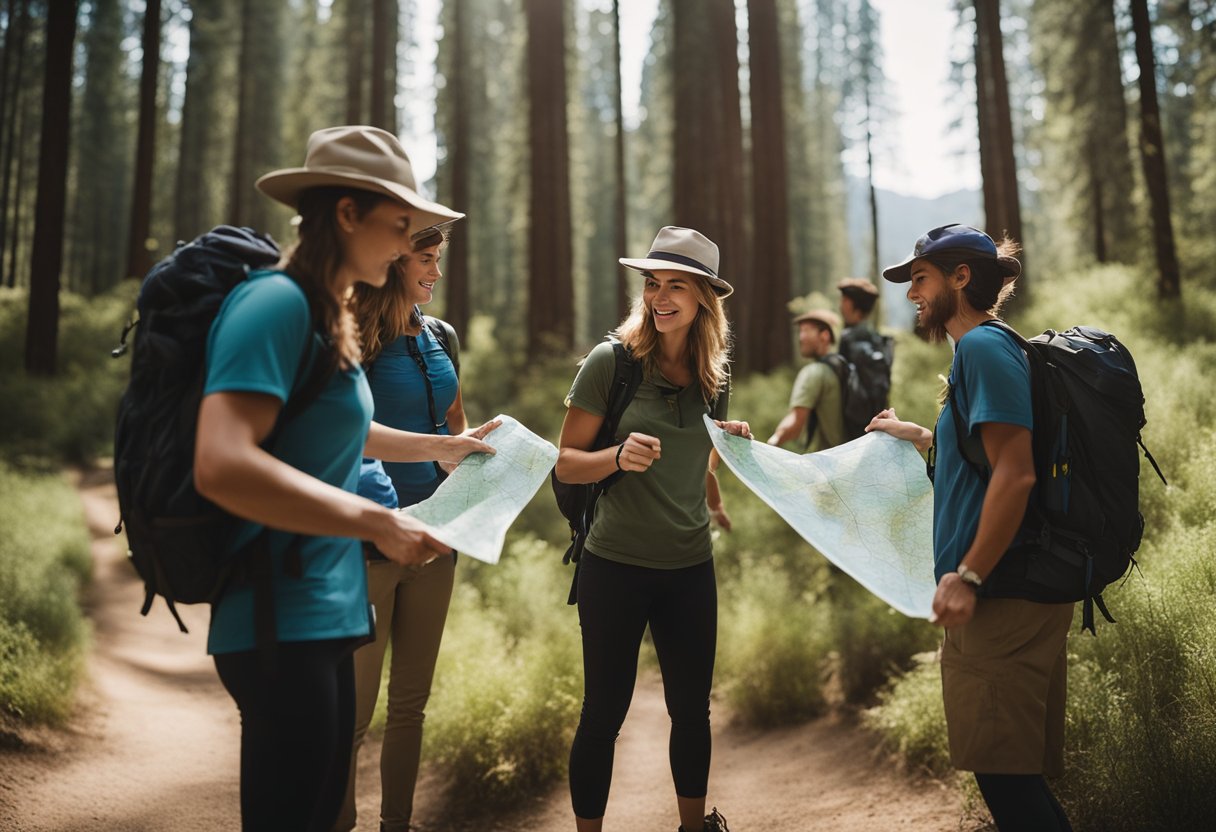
(937, 313)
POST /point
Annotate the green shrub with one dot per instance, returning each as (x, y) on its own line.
(773, 647)
(44, 559)
(71, 415)
(912, 719)
(508, 686)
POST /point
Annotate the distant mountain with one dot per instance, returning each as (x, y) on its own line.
(901, 219)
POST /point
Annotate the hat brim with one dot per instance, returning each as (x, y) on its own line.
(902, 273)
(285, 186)
(719, 285)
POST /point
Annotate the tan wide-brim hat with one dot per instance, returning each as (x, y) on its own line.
(857, 286)
(357, 156)
(823, 316)
(682, 250)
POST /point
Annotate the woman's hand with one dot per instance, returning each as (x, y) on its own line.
(638, 452)
(477, 434)
(408, 541)
(718, 515)
(888, 422)
(735, 428)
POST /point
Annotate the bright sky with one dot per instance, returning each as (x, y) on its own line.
(917, 154)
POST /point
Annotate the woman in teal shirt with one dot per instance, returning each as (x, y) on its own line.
(357, 201)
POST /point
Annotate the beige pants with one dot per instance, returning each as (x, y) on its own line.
(411, 607)
(1004, 682)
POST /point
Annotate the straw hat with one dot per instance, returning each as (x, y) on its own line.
(358, 157)
(823, 316)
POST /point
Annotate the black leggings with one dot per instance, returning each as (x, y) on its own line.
(297, 726)
(1022, 803)
(615, 603)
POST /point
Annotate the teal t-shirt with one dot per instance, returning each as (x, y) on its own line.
(254, 346)
(991, 380)
(400, 396)
(656, 518)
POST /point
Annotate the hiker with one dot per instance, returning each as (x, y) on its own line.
(816, 410)
(415, 387)
(357, 201)
(1003, 659)
(648, 558)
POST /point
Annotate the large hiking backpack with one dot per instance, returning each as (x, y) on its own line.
(577, 502)
(856, 403)
(178, 541)
(872, 356)
(1083, 524)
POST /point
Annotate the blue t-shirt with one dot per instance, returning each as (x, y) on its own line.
(991, 379)
(399, 393)
(255, 346)
(375, 485)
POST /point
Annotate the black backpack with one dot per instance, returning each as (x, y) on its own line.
(872, 356)
(856, 403)
(1083, 522)
(177, 539)
(577, 502)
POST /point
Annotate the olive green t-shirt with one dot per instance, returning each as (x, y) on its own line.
(817, 388)
(656, 518)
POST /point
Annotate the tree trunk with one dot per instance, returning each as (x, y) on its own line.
(619, 212)
(770, 278)
(356, 49)
(138, 259)
(1002, 210)
(239, 196)
(1152, 154)
(10, 118)
(194, 205)
(457, 299)
(23, 117)
(42, 329)
(550, 255)
(384, 48)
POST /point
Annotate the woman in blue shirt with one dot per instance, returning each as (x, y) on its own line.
(414, 387)
(357, 201)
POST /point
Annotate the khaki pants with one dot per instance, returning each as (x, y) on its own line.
(411, 607)
(1004, 684)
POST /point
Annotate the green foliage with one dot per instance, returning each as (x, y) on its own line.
(1141, 751)
(44, 559)
(911, 717)
(772, 646)
(71, 416)
(508, 685)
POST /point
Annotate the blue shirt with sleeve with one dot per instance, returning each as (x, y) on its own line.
(991, 380)
(400, 396)
(255, 346)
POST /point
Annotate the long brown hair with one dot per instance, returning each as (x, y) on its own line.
(313, 262)
(708, 338)
(383, 314)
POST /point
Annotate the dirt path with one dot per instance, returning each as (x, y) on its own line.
(154, 747)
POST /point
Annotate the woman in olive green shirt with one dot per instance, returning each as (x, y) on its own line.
(648, 558)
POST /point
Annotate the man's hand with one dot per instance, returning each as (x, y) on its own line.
(735, 428)
(953, 603)
(887, 422)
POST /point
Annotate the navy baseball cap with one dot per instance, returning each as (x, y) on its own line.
(953, 238)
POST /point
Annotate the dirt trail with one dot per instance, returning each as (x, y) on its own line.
(155, 747)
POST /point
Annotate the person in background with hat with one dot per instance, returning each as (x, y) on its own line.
(862, 345)
(1004, 662)
(357, 202)
(415, 386)
(816, 410)
(649, 555)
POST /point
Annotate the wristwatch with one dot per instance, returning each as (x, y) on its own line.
(970, 576)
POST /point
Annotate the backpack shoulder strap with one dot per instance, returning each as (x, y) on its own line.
(626, 378)
(446, 336)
